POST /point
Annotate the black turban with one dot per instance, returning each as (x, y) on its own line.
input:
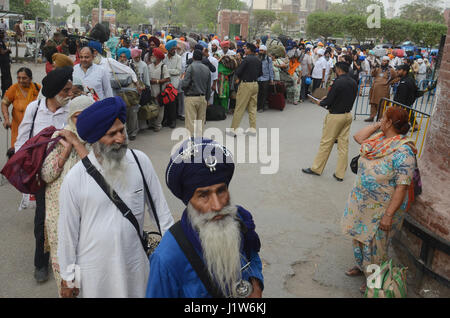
(55, 81)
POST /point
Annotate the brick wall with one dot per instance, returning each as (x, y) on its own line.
(432, 207)
(227, 17)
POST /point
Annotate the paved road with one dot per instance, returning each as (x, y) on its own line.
(297, 216)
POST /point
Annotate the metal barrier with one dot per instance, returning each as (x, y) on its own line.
(425, 103)
(422, 104)
(362, 105)
(416, 117)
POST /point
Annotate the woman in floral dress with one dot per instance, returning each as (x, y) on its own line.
(57, 164)
(378, 201)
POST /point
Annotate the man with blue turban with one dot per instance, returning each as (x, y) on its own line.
(102, 239)
(124, 55)
(213, 250)
(174, 66)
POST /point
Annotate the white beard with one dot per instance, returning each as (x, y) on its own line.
(114, 166)
(221, 241)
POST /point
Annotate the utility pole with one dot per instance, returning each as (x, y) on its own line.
(100, 12)
(51, 9)
(170, 12)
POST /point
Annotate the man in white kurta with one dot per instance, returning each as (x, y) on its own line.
(93, 234)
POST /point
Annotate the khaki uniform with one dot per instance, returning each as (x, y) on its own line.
(335, 127)
(246, 99)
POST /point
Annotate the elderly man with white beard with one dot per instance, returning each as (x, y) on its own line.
(213, 251)
(96, 239)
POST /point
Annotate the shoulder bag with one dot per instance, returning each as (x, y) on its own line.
(149, 240)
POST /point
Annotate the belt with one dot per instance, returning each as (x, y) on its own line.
(194, 95)
(249, 81)
(339, 113)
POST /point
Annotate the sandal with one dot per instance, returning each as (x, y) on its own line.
(363, 288)
(355, 271)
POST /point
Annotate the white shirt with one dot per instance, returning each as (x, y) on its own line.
(184, 58)
(142, 72)
(174, 67)
(155, 74)
(44, 118)
(95, 77)
(110, 65)
(319, 66)
(94, 234)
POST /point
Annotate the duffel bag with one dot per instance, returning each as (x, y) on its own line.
(215, 113)
(148, 112)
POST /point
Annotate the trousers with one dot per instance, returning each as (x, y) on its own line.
(195, 109)
(263, 87)
(132, 121)
(335, 126)
(246, 99)
(41, 259)
(304, 88)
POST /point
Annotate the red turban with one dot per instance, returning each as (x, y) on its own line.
(158, 53)
(225, 44)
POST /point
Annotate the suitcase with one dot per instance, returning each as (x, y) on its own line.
(276, 98)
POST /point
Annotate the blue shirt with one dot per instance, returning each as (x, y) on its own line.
(172, 276)
(267, 67)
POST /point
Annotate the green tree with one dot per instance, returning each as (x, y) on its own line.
(356, 27)
(321, 24)
(354, 7)
(264, 18)
(432, 33)
(36, 8)
(86, 6)
(423, 11)
(276, 29)
(396, 30)
(287, 20)
(138, 13)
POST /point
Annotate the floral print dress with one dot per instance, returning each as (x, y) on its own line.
(379, 173)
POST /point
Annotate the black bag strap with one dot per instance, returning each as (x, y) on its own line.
(195, 260)
(34, 119)
(123, 208)
(147, 190)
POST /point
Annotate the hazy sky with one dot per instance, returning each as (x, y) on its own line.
(399, 3)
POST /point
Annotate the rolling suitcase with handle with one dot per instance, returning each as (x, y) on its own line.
(276, 96)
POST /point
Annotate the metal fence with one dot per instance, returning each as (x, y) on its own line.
(420, 124)
(422, 104)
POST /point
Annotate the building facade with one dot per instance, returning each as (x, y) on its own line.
(301, 7)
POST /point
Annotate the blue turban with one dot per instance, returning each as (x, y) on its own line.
(97, 119)
(96, 46)
(264, 39)
(124, 50)
(171, 44)
(203, 44)
(198, 163)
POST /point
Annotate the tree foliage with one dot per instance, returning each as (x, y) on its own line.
(394, 31)
(264, 18)
(287, 20)
(423, 11)
(354, 7)
(36, 8)
(86, 6)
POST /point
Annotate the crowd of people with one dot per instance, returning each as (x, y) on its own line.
(100, 94)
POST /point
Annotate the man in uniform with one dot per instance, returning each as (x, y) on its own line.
(339, 102)
(247, 96)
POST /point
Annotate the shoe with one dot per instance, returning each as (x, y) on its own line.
(156, 129)
(132, 138)
(338, 179)
(231, 133)
(369, 120)
(295, 103)
(180, 118)
(309, 171)
(251, 132)
(41, 274)
(173, 125)
(165, 124)
(260, 110)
